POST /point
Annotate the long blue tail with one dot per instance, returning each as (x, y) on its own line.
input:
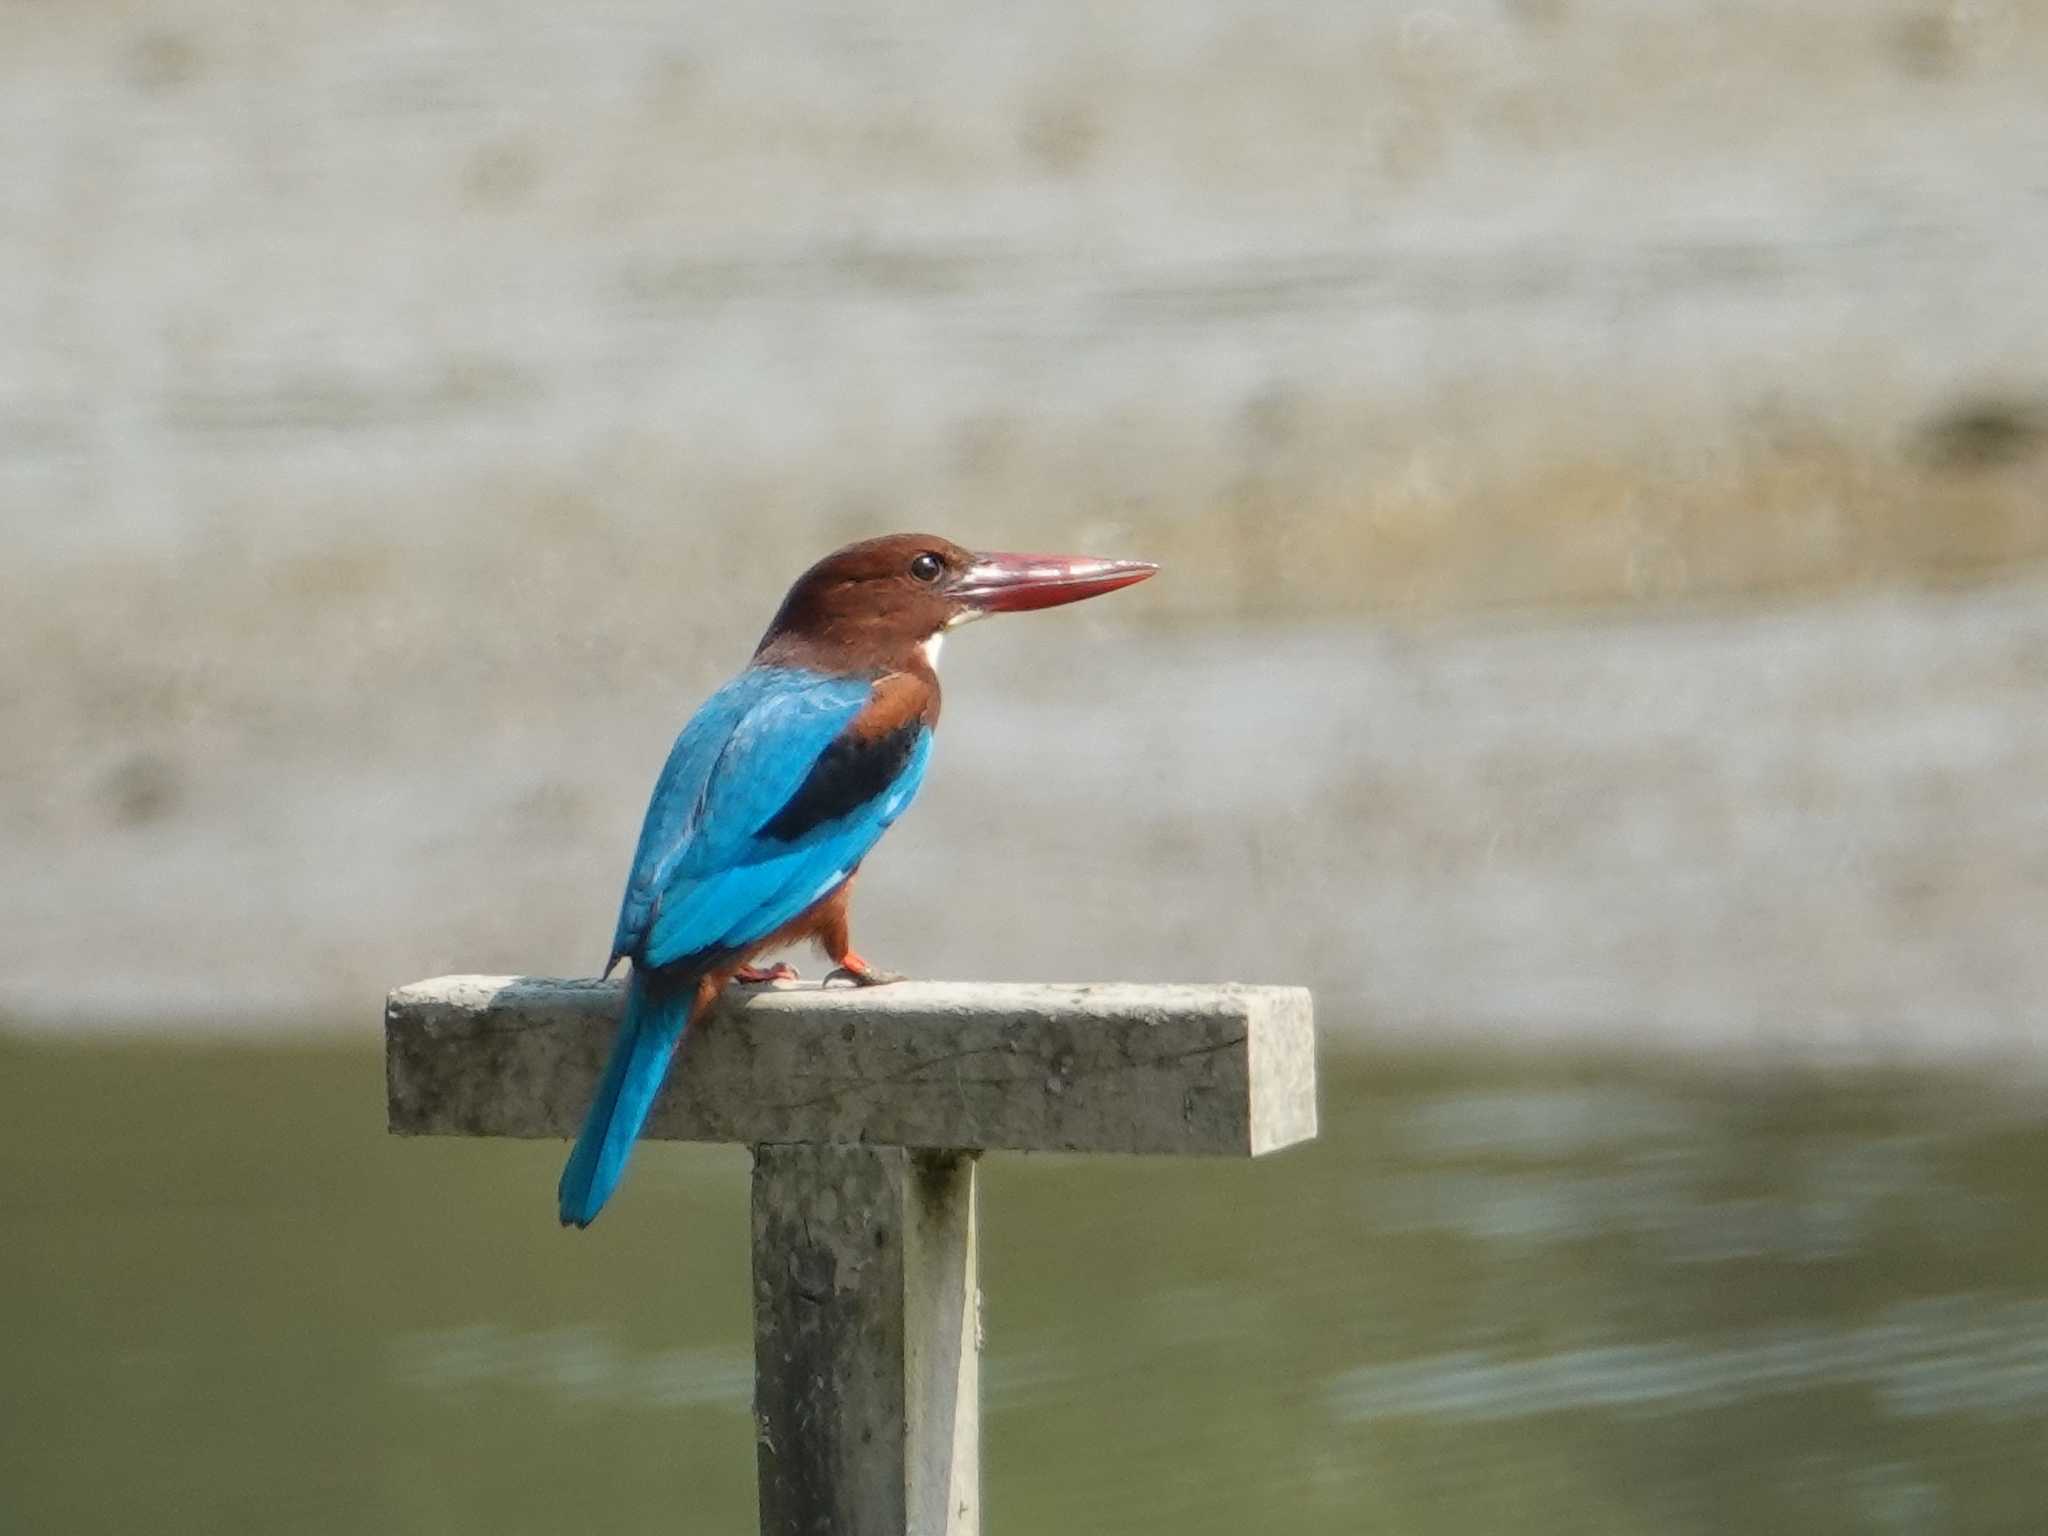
(657, 1008)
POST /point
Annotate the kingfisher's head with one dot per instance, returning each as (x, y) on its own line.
(881, 601)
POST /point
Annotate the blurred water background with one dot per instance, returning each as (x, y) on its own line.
(1600, 456)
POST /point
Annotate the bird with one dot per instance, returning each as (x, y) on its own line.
(776, 790)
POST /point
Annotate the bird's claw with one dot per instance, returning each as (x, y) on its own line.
(856, 970)
(755, 976)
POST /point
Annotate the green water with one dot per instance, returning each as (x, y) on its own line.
(1497, 1295)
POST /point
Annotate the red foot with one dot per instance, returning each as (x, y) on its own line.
(754, 975)
(856, 970)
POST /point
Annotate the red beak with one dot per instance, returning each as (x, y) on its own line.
(1000, 583)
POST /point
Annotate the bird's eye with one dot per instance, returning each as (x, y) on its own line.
(927, 567)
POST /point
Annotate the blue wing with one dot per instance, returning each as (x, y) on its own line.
(739, 840)
(766, 803)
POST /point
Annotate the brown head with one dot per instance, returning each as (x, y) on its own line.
(872, 606)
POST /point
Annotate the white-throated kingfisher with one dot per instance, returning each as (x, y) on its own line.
(776, 790)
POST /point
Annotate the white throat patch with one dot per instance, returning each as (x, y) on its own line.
(931, 649)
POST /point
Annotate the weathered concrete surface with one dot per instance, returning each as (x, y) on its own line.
(1113, 1068)
(942, 1344)
(866, 1361)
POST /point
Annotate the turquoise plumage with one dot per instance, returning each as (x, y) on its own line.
(778, 788)
(719, 868)
(656, 1011)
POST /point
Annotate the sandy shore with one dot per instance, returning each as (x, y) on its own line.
(1471, 303)
(1812, 828)
(407, 414)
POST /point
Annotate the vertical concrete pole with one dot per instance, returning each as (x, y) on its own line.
(866, 1348)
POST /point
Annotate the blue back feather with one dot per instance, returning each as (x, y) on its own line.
(736, 764)
(707, 880)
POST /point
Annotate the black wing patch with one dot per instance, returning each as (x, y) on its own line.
(847, 775)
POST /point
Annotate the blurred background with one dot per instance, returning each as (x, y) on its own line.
(1599, 453)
